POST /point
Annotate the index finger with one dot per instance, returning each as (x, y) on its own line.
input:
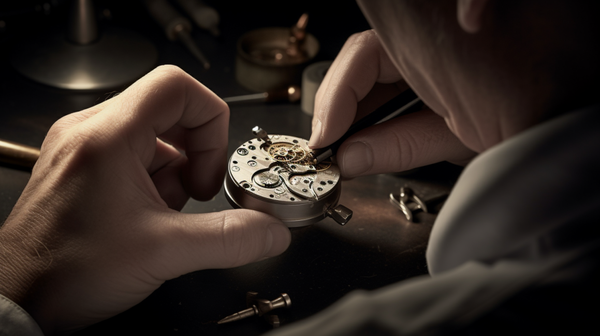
(361, 63)
(166, 98)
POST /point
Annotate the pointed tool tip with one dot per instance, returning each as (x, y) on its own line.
(227, 319)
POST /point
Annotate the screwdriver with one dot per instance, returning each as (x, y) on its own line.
(259, 307)
(177, 27)
(291, 94)
(203, 15)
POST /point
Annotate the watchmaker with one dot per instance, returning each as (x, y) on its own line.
(515, 249)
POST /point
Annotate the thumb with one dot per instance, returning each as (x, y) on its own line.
(400, 144)
(220, 240)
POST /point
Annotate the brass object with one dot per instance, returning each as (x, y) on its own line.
(260, 307)
(273, 58)
(18, 154)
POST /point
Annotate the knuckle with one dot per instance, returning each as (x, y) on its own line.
(416, 140)
(361, 36)
(223, 107)
(167, 78)
(65, 123)
(169, 70)
(404, 151)
(76, 148)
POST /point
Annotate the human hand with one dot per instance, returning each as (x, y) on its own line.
(94, 231)
(353, 87)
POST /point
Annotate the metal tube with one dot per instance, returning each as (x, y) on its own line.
(18, 154)
(83, 28)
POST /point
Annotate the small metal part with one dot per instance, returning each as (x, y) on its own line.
(286, 152)
(408, 202)
(301, 173)
(340, 214)
(267, 179)
(239, 315)
(321, 155)
(260, 307)
(323, 166)
(261, 134)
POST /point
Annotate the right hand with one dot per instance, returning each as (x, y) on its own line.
(97, 229)
(352, 86)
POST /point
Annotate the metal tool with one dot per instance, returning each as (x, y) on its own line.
(203, 15)
(291, 94)
(176, 26)
(408, 202)
(260, 307)
(272, 174)
(403, 103)
(17, 154)
(297, 37)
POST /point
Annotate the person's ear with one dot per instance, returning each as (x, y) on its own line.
(469, 14)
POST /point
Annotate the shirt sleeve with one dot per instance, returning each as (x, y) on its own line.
(14, 320)
(453, 301)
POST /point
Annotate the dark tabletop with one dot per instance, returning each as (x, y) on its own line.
(324, 262)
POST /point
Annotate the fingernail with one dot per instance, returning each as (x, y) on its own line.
(278, 239)
(357, 159)
(315, 137)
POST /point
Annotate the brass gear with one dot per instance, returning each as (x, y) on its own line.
(286, 152)
(323, 165)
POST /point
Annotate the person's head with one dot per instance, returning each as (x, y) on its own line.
(493, 68)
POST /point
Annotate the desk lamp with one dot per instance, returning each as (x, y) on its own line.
(85, 58)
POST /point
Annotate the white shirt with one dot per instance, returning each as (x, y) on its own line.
(14, 320)
(515, 249)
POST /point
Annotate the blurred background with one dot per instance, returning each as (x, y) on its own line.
(28, 108)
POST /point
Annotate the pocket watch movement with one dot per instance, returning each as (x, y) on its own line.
(278, 175)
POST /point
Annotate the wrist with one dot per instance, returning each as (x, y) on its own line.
(23, 260)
